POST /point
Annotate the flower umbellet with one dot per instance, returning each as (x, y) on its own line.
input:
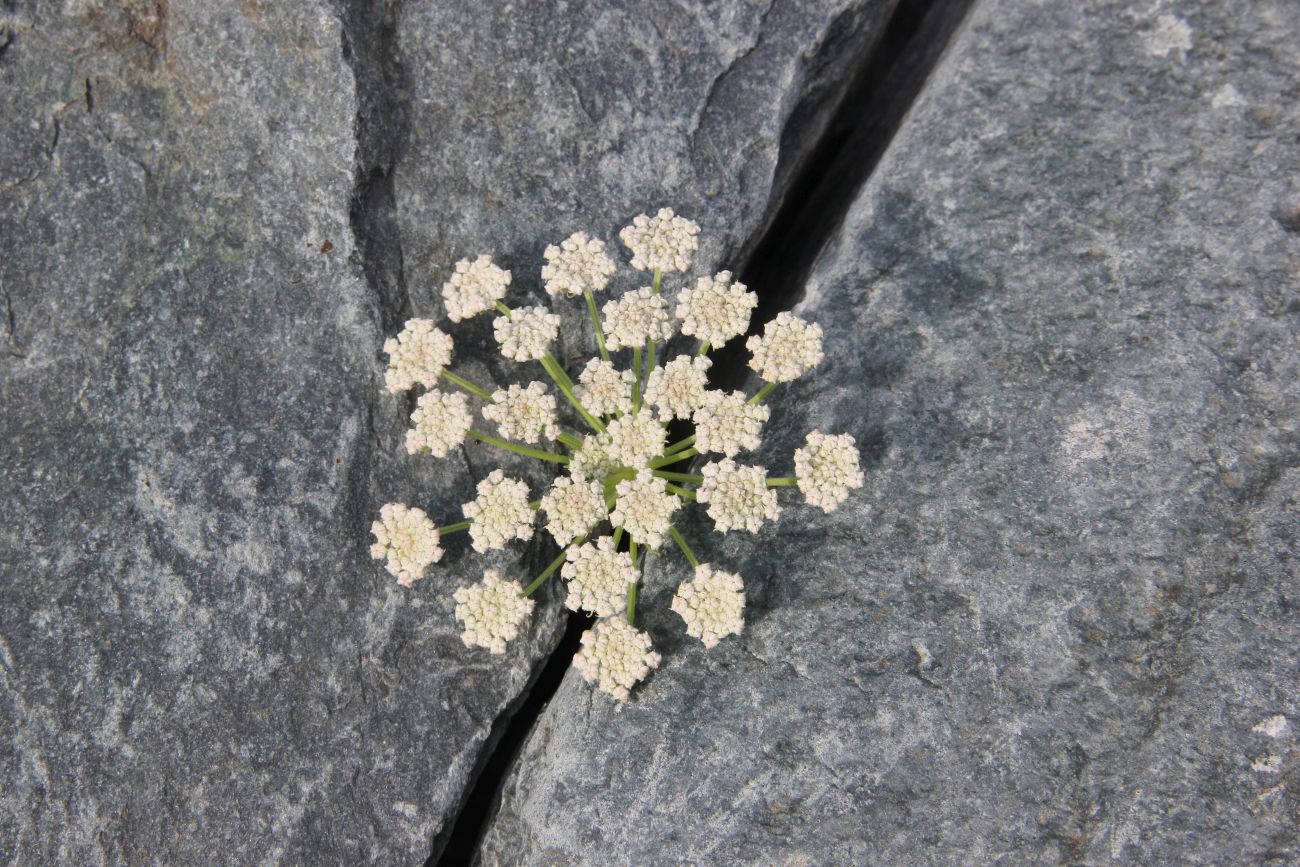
(621, 484)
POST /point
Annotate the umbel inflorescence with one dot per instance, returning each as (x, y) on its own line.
(622, 485)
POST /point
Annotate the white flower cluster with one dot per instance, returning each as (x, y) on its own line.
(788, 349)
(598, 577)
(827, 469)
(573, 507)
(526, 334)
(615, 655)
(635, 439)
(492, 611)
(644, 508)
(663, 242)
(416, 356)
(637, 318)
(407, 540)
(728, 423)
(716, 310)
(474, 288)
(440, 422)
(576, 265)
(712, 605)
(526, 414)
(604, 389)
(622, 481)
(499, 513)
(738, 497)
(678, 388)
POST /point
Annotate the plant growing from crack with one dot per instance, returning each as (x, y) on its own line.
(623, 484)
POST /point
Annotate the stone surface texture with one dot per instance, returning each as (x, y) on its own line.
(207, 233)
(1059, 624)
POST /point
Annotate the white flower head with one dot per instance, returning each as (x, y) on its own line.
(738, 496)
(664, 241)
(474, 287)
(527, 333)
(524, 414)
(635, 319)
(598, 577)
(788, 348)
(573, 507)
(677, 389)
(635, 439)
(713, 604)
(416, 356)
(604, 389)
(644, 508)
(499, 513)
(592, 459)
(407, 540)
(716, 310)
(827, 468)
(576, 265)
(727, 423)
(441, 421)
(492, 611)
(615, 655)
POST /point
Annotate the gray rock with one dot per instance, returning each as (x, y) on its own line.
(198, 655)
(1059, 623)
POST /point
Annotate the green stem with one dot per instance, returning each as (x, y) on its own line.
(467, 385)
(595, 323)
(569, 440)
(762, 393)
(454, 528)
(679, 477)
(631, 601)
(686, 549)
(680, 445)
(658, 281)
(517, 448)
(618, 534)
(550, 570)
(553, 370)
(782, 482)
(504, 309)
(681, 492)
(704, 348)
(636, 381)
(631, 548)
(666, 460)
(559, 370)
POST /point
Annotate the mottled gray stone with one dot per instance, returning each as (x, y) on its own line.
(1059, 624)
(199, 659)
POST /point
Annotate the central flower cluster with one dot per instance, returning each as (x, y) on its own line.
(623, 484)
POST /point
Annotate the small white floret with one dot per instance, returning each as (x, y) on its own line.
(524, 414)
(492, 612)
(526, 334)
(441, 419)
(637, 318)
(827, 469)
(615, 656)
(716, 310)
(737, 496)
(592, 460)
(644, 508)
(576, 265)
(475, 287)
(788, 348)
(406, 540)
(677, 389)
(635, 439)
(598, 578)
(499, 513)
(664, 241)
(728, 423)
(416, 356)
(603, 389)
(713, 604)
(573, 507)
